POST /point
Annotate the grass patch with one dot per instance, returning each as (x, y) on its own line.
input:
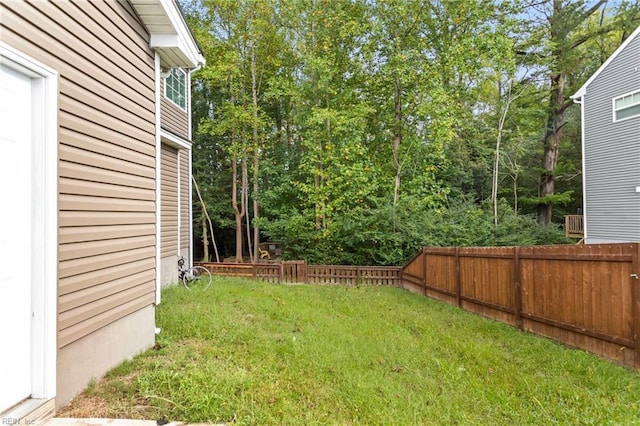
(252, 353)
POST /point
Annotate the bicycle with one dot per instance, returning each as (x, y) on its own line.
(194, 277)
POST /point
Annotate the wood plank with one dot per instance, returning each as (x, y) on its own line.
(615, 303)
(458, 284)
(635, 282)
(517, 287)
(596, 334)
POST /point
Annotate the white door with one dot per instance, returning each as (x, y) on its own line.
(15, 236)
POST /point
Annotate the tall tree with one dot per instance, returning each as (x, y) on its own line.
(337, 126)
(561, 25)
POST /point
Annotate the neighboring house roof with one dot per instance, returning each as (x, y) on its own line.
(170, 35)
(580, 93)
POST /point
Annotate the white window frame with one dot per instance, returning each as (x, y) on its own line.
(615, 109)
(168, 90)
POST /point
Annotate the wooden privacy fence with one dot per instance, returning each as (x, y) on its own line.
(298, 271)
(585, 296)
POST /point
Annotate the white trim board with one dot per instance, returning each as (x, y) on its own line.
(158, 181)
(174, 141)
(45, 197)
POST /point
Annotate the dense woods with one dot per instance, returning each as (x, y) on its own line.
(355, 132)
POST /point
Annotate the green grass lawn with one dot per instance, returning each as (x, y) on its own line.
(251, 353)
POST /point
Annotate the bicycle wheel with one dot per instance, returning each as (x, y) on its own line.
(197, 277)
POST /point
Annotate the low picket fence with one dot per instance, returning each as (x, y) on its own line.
(298, 271)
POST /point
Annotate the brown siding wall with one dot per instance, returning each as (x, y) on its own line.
(169, 202)
(172, 117)
(184, 201)
(106, 154)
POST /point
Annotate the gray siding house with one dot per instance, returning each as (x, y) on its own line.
(95, 172)
(610, 102)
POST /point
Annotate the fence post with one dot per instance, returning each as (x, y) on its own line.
(457, 279)
(635, 300)
(517, 286)
(424, 269)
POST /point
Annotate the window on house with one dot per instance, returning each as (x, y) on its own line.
(626, 106)
(175, 87)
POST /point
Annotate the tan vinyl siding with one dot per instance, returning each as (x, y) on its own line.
(106, 154)
(172, 117)
(184, 200)
(104, 318)
(169, 201)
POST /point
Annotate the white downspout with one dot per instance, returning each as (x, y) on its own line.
(190, 208)
(158, 180)
(190, 159)
(179, 174)
(580, 101)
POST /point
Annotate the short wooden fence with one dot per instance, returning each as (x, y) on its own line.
(298, 271)
(585, 296)
(574, 226)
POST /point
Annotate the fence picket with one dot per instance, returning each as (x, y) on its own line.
(299, 271)
(635, 297)
(458, 284)
(517, 286)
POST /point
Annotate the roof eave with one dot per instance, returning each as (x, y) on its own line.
(170, 35)
(581, 92)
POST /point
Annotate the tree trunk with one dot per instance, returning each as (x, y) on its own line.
(239, 212)
(563, 21)
(205, 216)
(245, 199)
(397, 139)
(205, 240)
(496, 164)
(551, 143)
(317, 179)
(256, 157)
